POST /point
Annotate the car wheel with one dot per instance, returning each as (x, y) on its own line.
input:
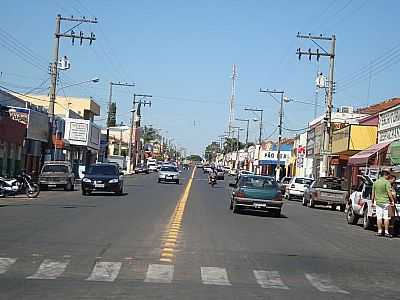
(44, 187)
(231, 204)
(350, 216)
(304, 201)
(159, 180)
(177, 181)
(288, 197)
(121, 191)
(84, 193)
(333, 207)
(367, 224)
(342, 207)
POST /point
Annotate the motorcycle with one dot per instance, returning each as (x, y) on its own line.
(213, 180)
(22, 183)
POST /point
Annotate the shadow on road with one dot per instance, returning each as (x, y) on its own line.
(259, 213)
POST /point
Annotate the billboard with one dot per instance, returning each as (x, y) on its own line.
(82, 133)
(37, 123)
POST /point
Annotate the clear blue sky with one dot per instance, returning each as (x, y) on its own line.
(182, 53)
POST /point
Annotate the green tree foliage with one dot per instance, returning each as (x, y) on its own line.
(230, 145)
(194, 157)
(150, 135)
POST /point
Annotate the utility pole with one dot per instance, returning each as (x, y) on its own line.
(109, 117)
(329, 94)
(232, 100)
(134, 125)
(54, 65)
(247, 137)
(278, 159)
(237, 145)
(261, 111)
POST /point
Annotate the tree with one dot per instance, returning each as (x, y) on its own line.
(194, 157)
(230, 145)
(212, 150)
(150, 135)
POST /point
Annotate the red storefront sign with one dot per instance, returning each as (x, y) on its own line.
(12, 131)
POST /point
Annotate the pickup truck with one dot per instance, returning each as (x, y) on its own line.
(57, 174)
(327, 191)
(360, 206)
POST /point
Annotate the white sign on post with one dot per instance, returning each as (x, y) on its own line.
(78, 132)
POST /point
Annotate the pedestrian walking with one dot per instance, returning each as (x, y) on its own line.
(382, 199)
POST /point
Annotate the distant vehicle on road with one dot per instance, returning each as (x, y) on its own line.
(168, 173)
(141, 169)
(256, 192)
(206, 169)
(57, 174)
(220, 174)
(152, 167)
(327, 191)
(104, 178)
(284, 184)
(297, 186)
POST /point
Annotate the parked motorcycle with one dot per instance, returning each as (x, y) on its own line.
(22, 183)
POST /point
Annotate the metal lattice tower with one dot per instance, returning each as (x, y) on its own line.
(232, 101)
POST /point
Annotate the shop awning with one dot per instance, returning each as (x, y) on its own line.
(362, 157)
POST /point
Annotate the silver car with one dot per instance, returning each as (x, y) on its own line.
(168, 173)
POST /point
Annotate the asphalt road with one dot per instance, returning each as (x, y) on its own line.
(167, 241)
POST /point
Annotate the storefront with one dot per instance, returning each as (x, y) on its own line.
(269, 160)
(83, 137)
(348, 141)
(12, 135)
(36, 139)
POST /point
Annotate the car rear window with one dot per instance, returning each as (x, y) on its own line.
(303, 180)
(102, 170)
(331, 183)
(169, 169)
(55, 168)
(258, 182)
(286, 179)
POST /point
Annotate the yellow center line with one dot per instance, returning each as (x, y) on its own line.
(169, 243)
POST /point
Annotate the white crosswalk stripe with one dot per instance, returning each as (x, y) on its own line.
(269, 280)
(50, 269)
(105, 271)
(323, 283)
(159, 273)
(6, 263)
(214, 275)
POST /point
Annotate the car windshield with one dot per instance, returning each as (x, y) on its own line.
(169, 169)
(331, 183)
(303, 181)
(102, 170)
(55, 168)
(257, 182)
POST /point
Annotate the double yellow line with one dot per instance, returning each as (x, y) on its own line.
(170, 239)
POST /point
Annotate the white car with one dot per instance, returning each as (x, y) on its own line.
(152, 167)
(297, 186)
(168, 174)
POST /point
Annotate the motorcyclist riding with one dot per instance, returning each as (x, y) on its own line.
(212, 174)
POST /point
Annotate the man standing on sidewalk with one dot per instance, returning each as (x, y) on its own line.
(382, 198)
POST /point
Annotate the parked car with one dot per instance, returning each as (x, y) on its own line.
(297, 186)
(327, 191)
(360, 206)
(220, 174)
(57, 174)
(256, 192)
(141, 169)
(103, 177)
(168, 173)
(284, 184)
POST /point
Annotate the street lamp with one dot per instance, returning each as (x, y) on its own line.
(93, 80)
(237, 145)
(261, 111)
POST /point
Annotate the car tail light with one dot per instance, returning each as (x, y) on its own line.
(239, 194)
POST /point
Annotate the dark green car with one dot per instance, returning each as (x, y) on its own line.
(255, 192)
